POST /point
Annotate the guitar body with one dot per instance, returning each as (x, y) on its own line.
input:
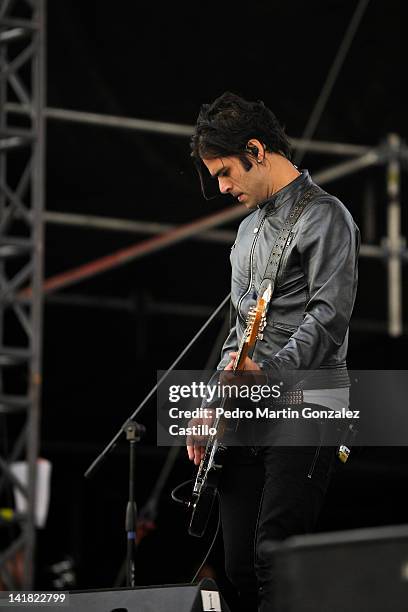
(209, 471)
(202, 504)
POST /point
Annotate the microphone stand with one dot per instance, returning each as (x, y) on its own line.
(146, 518)
(133, 432)
(147, 515)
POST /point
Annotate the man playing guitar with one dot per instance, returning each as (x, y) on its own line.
(270, 492)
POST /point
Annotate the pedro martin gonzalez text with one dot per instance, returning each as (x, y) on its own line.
(220, 392)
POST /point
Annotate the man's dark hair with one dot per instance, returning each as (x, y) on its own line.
(224, 128)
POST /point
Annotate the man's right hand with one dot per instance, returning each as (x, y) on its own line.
(195, 453)
(196, 444)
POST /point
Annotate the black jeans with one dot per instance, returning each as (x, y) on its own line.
(266, 495)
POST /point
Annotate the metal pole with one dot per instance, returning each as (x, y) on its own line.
(148, 227)
(132, 227)
(38, 185)
(333, 73)
(371, 158)
(175, 129)
(188, 230)
(138, 250)
(3, 178)
(394, 240)
(127, 123)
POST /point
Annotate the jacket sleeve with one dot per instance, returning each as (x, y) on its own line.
(328, 247)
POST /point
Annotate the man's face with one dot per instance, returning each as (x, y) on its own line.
(248, 187)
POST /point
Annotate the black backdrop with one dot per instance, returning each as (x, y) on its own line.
(161, 62)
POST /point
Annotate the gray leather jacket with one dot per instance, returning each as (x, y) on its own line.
(308, 317)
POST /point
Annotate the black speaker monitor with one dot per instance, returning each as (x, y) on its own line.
(361, 570)
(201, 597)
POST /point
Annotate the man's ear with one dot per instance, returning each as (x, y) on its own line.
(255, 148)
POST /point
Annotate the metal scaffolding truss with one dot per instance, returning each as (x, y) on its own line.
(22, 143)
(393, 154)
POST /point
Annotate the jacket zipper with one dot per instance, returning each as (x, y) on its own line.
(251, 256)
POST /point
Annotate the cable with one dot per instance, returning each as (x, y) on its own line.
(332, 76)
(178, 499)
(112, 443)
(211, 545)
(184, 502)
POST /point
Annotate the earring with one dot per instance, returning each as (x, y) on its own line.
(259, 161)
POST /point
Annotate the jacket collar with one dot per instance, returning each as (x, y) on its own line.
(290, 192)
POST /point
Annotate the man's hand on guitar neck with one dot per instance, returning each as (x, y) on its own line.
(248, 363)
(249, 373)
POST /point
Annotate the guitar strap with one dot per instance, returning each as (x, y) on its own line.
(272, 268)
(282, 240)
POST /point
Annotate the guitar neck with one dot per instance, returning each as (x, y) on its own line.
(242, 354)
(255, 324)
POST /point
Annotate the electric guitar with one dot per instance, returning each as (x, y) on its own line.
(206, 482)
